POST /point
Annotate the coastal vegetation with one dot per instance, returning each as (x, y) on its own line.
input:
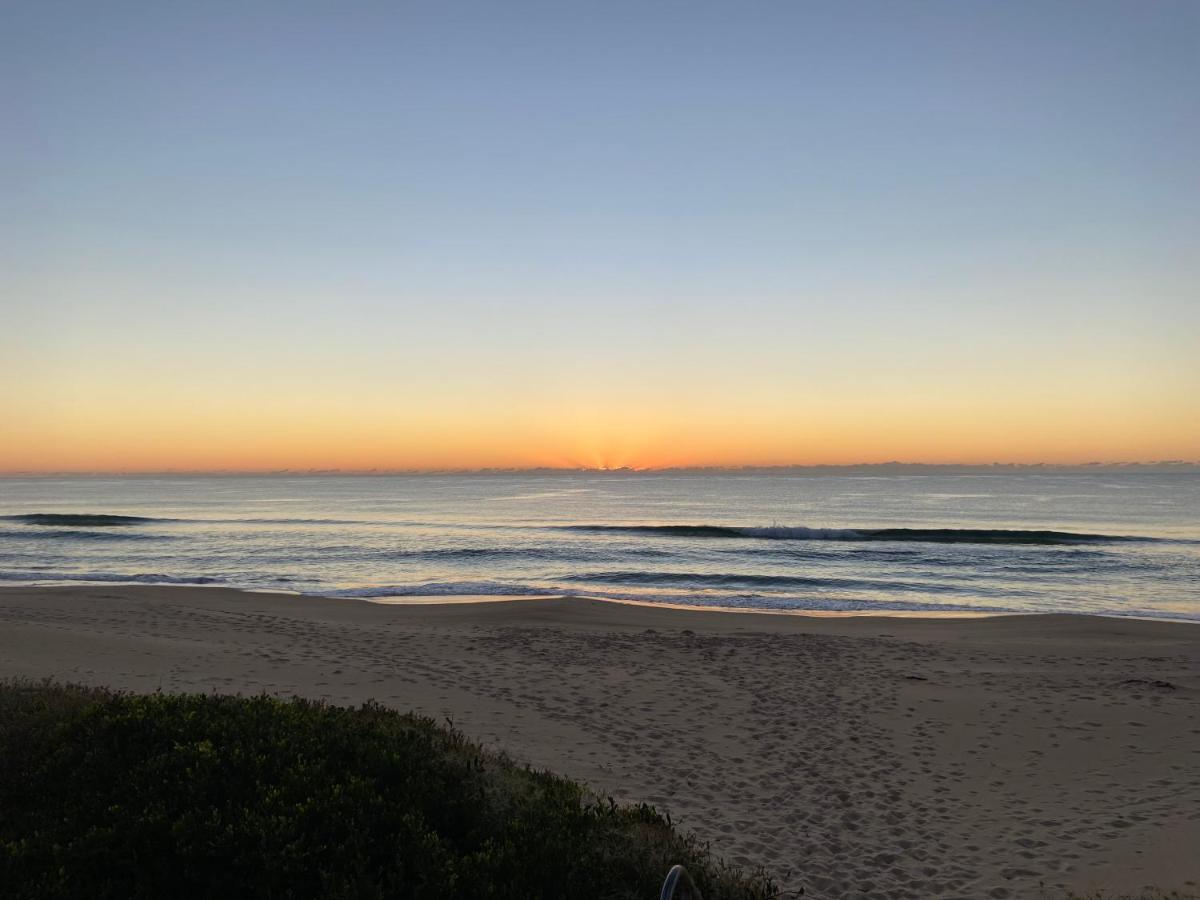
(107, 795)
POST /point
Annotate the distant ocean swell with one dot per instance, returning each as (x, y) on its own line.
(105, 520)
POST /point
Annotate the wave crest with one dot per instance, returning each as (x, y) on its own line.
(109, 578)
(82, 535)
(79, 520)
(718, 580)
(899, 535)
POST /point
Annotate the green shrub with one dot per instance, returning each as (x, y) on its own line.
(176, 796)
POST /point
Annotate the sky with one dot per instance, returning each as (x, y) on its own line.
(397, 235)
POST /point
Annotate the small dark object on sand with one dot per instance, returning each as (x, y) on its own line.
(1146, 682)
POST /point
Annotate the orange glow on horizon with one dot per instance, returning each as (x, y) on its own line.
(212, 415)
(200, 443)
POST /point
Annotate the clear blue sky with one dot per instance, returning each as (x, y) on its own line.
(839, 198)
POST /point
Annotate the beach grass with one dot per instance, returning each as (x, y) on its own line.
(106, 794)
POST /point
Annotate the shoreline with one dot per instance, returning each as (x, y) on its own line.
(470, 599)
(928, 757)
(456, 599)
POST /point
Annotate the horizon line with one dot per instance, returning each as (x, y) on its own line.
(1174, 465)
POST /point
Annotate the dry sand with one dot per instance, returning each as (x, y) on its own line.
(852, 757)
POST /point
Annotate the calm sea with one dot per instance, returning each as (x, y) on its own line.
(1116, 544)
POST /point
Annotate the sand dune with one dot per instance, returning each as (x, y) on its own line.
(876, 757)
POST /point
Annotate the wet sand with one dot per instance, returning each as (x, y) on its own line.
(1012, 756)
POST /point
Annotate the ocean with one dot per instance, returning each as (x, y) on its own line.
(1110, 543)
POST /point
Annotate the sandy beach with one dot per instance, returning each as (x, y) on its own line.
(879, 757)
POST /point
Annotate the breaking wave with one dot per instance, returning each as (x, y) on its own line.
(82, 535)
(109, 578)
(730, 601)
(910, 535)
(443, 589)
(79, 520)
(710, 580)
